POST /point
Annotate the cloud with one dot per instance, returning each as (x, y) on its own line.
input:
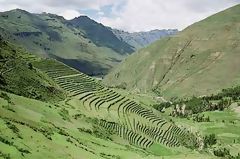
(130, 15)
(67, 8)
(151, 14)
(69, 14)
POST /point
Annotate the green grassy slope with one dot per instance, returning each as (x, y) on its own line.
(200, 60)
(48, 35)
(92, 121)
(33, 129)
(17, 75)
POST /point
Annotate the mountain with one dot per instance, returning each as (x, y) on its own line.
(100, 34)
(93, 51)
(50, 110)
(200, 60)
(81, 42)
(142, 39)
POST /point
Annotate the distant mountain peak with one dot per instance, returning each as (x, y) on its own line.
(84, 20)
(21, 11)
(142, 39)
(54, 16)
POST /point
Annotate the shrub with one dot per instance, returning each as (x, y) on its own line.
(209, 140)
(30, 66)
(5, 141)
(64, 114)
(222, 152)
(202, 118)
(5, 156)
(5, 97)
(161, 106)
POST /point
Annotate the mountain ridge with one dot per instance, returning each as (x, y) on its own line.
(193, 62)
(81, 43)
(142, 39)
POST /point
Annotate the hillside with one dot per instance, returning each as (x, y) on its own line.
(200, 60)
(88, 122)
(50, 35)
(142, 39)
(18, 76)
(100, 34)
(49, 109)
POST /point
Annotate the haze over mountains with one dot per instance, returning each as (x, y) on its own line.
(200, 60)
(143, 39)
(81, 42)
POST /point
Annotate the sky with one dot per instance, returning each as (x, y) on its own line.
(128, 15)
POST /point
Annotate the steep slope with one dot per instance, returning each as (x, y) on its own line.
(49, 35)
(143, 39)
(92, 121)
(200, 60)
(18, 76)
(100, 34)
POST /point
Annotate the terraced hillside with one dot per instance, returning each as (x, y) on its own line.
(18, 76)
(200, 60)
(49, 109)
(117, 113)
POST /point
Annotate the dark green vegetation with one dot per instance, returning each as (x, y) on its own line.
(18, 76)
(200, 60)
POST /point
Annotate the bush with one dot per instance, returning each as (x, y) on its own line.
(222, 152)
(209, 140)
(5, 141)
(5, 97)
(2, 80)
(64, 114)
(202, 118)
(161, 106)
(5, 156)
(30, 66)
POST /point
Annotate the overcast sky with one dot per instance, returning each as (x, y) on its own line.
(129, 15)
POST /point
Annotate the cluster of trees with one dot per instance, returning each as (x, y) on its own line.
(196, 105)
(233, 93)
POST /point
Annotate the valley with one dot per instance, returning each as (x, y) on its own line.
(76, 89)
